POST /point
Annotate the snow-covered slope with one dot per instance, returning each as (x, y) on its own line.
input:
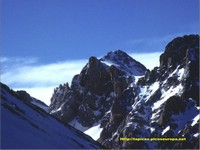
(117, 97)
(24, 125)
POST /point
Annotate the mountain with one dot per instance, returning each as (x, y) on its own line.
(116, 97)
(27, 126)
(91, 94)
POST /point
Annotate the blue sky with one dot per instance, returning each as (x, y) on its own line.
(56, 30)
(65, 33)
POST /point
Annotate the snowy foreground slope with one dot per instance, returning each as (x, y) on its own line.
(24, 125)
(116, 97)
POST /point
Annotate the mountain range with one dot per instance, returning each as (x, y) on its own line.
(115, 100)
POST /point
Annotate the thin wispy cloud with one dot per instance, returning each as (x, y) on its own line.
(19, 60)
(153, 44)
(3, 59)
(16, 62)
(39, 80)
(38, 75)
(156, 40)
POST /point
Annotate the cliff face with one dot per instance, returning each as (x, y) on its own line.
(178, 50)
(118, 97)
(92, 91)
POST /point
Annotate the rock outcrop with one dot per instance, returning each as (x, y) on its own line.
(100, 87)
(125, 100)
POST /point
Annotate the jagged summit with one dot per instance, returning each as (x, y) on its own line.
(179, 49)
(117, 54)
(184, 42)
(97, 83)
(124, 62)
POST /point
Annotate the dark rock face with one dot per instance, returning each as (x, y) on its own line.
(94, 76)
(98, 88)
(163, 102)
(23, 95)
(191, 82)
(173, 105)
(176, 50)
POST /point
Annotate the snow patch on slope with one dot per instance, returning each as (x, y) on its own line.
(195, 120)
(94, 132)
(24, 126)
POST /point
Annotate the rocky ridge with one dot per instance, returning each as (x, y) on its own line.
(119, 97)
(92, 91)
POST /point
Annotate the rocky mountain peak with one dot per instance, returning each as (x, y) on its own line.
(94, 76)
(93, 62)
(124, 62)
(116, 96)
(178, 49)
(91, 92)
(117, 55)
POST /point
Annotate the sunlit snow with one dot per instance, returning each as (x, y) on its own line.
(165, 130)
(195, 120)
(94, 132)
